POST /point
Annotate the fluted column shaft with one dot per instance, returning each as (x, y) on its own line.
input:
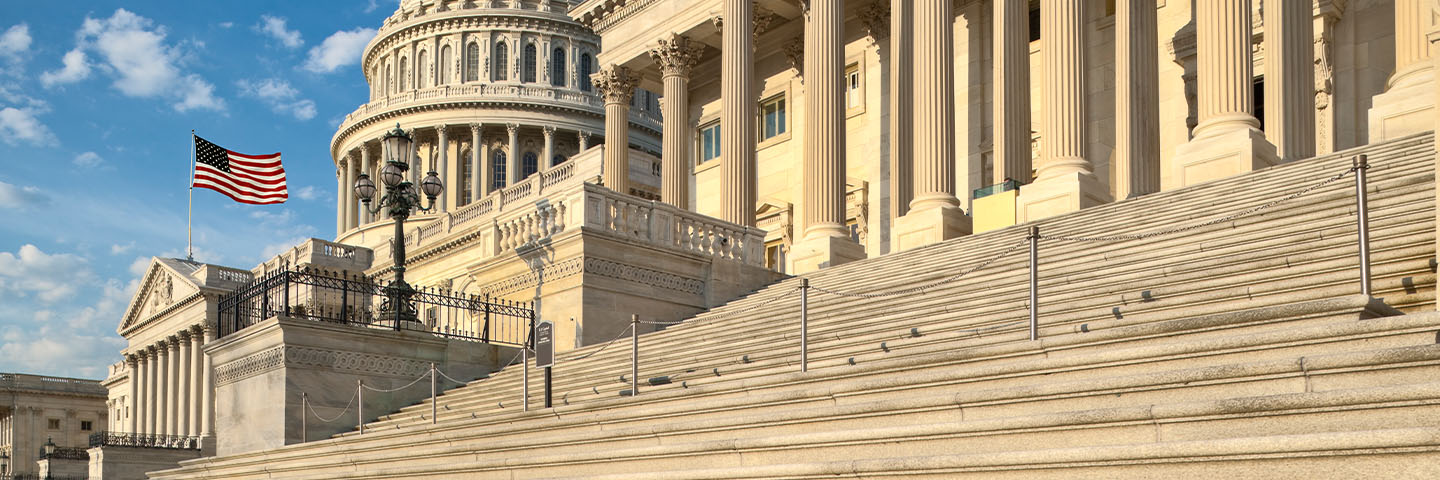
(825, 156)
(444, 169)
(1290, 79)
(934, 146)
(172, 389)
(365, 216)
(207, 392)
(182, 416)
(147, 391)
(162, 390)
(132, 400)
(1063, 140)
(347, 192)
(1012, 91)
(477, 164)
(676, 56)
(1137, 113)
(548, 156)
(737, 116)
(197, 374)
(512, 159)
(1225, 74)
(584, 140)
(1412, 49)
(340, 208)
(902, 88)
(616, 85)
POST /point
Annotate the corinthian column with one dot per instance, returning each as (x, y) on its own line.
(676, 56)
(365, 216)
(477, 165)
(549, 153)
(512, 159)
(902, 65)
(151, 387)
(1137, 115)
(1011, 137)
(934, 213)
(737, 112)
(183, 400)
(1227, 141)
(207, 400)
(1406, 105)
(197, 374)
(133, 400)
(1290, 79)
(162, 390)
(444, 159)
(616, 84)
(172, 400)
(340, 173)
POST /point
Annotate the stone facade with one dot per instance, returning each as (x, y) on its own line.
(37, 409)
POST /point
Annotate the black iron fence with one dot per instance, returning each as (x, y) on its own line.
(333, 297)
(65, 453)
(36, 476)
(144, 440)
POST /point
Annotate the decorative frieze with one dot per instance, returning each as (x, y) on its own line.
(295, 356)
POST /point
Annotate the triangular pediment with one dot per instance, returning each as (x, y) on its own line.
(162, 286)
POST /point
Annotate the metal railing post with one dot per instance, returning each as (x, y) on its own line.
(804, 325)
(1362, 219)
(344, 298)
(432, 393)
(285, 294)
(525, 376)
(1034, 283)
(360, 405)
(634, 354)
(304, 419)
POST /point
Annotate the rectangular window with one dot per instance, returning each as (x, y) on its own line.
(854, 227)
(54, 424)
(775, 256)
(86, 425)
(772, 114)
(852, 86)
(710, 142)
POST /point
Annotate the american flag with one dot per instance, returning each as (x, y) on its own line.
(254, 179)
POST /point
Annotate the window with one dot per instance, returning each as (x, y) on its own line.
(854, 227)
(376, 88)
(387, 80)
(443, 76)
(528, 74)
(422, 68)
(853, 99)
(472, 62)
(465, 168)
(710, 142)
(529, 164)
(772, 115)
(86, 425)
(558, 159)
(557, 67)
(404, 73)
(585, 72)
(775, 256)
(500, 66)
(497, 164)
(53, 424)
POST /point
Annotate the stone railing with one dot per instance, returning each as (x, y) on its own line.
(322, 253)
(21, 381)
(663, 225)
(535, 94)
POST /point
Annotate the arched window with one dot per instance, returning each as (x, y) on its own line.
(472, 62)
(387, 80)
(557, 67)
(556, 160)
(422, 70)
(376, 88)
(404, 73)
(443, 75)
(585, 72)
(529, 71)
(529, 164)
(497, 166)
(499, 65)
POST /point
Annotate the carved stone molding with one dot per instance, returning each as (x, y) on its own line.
(250, 366)
(601, 267)
(795, 54)
(876, 18)
(677, 55)
(282, 356)
(616, 84)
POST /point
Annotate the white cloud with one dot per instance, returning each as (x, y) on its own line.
(226, 24)
(275, 28)
(88, 160)
(76, 68)
(138, 267)
(20, 124)
(308, 192)
(340, 49)
(280, 96)
(50, 278)
(15, 43)
(12, 196)
(117, 249)
(133, 49)
(55, 351)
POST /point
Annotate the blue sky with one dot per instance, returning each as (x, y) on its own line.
(97, 100)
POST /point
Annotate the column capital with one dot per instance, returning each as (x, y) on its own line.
(677, 55)
(182, 336)
(512, 128)
(475, 128)
(548, 130)
(876, 18)
(616, 84)
(440, 130)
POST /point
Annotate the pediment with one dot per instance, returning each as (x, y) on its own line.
(162, 286)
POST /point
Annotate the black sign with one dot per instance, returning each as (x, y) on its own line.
(544, 344)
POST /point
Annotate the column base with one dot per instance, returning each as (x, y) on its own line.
(823, 251)
(1404, 109)
(1219, 155)
(1059, 195)
(932, 225)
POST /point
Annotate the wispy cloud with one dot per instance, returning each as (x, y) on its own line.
(75, 67)
(280, 96)
(15, 43)
(340, 49)
(88, 160)
(19, 125)
(275, 28)
(12, 196)
(133, 49)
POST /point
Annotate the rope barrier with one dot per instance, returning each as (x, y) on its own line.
(923, 288)
(382, 390)
(447, 377)
(730, 315)
(607, 345)
(311, 408)
(1217, 221)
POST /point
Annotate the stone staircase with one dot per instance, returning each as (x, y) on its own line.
(1227, 350)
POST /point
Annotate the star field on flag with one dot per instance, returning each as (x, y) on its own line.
(253, 179)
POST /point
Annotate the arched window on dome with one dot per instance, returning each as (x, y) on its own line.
(499, 66)
(558, 159)
(404, 74)
(387, 87)
(529, 164)
(376, 88)
(442, 74)
(585, 72)
(472, 62)
(557, 67)
(528, 74)
(422, 70)
(497, 168)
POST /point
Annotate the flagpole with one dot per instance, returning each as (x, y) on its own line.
(190, 204)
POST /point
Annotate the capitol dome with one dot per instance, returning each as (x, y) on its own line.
(493, 91)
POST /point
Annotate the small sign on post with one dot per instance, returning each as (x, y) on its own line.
(544, 344)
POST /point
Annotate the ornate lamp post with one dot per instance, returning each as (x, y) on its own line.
(400, 199)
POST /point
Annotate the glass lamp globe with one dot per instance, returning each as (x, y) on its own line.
(364, 188)
(393, 173)
(397, 145)
(431, 185)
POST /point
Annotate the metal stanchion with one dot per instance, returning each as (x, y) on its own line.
(525, 375)
(432, 393)
(634, 354)
(360, 405)
(1362, 219)
(1034, 283)
(548, 379)
(304, 417)
(804, 325)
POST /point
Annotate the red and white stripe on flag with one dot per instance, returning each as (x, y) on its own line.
(253, 179)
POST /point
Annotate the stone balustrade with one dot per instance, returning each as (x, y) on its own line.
(528, 94)
(41, 383)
